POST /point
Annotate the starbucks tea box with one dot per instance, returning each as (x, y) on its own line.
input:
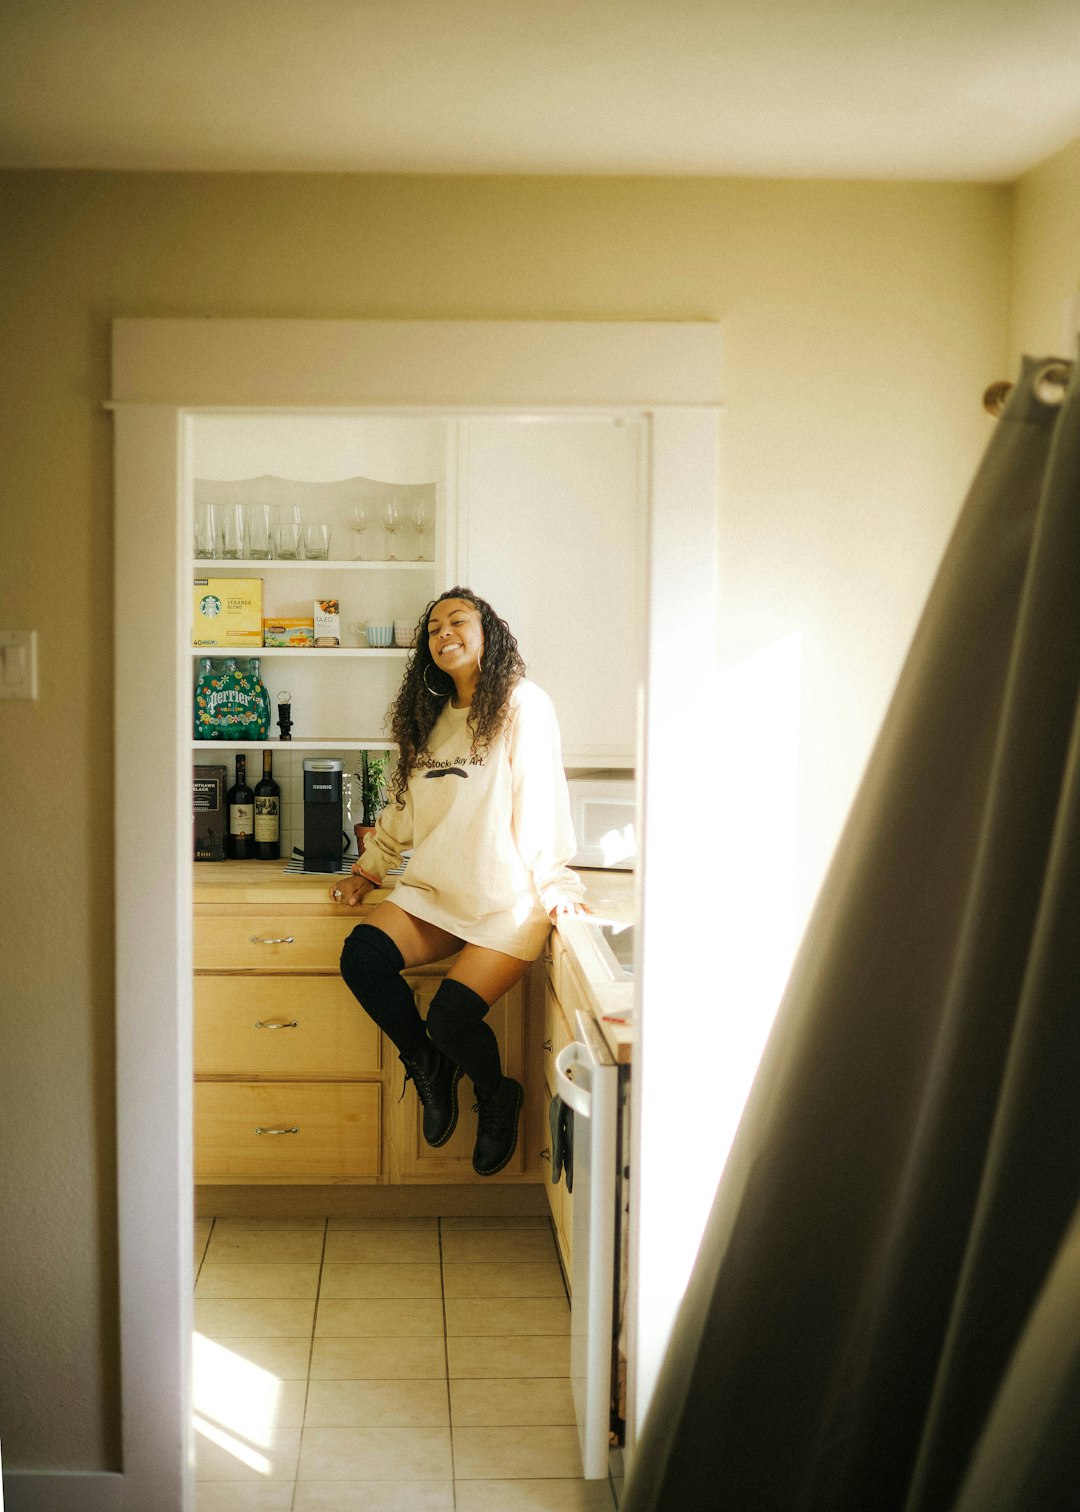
(228, 612)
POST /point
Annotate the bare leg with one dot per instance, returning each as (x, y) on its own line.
(489, 973)
(420, 943)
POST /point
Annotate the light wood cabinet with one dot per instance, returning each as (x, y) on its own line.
(288, 1070)
(286, 1131)
(268, 1026)
(294, 1084)
(557, 1034)
(240, 938)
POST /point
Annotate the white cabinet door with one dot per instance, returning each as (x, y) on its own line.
(551, 517)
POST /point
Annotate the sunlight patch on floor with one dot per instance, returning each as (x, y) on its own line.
(235, 1403)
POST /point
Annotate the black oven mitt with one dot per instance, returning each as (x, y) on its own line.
(561, 1119)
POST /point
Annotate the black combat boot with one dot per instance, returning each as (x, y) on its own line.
(435, 1077)
(497, 1127)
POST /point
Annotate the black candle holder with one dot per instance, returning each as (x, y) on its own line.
(284, 717)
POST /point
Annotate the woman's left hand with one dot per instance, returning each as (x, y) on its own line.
(562, 909)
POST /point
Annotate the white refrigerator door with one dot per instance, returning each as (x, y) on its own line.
(586, 1078)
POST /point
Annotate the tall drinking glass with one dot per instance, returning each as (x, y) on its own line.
(232, 532)
(206, 531)
(257, 530)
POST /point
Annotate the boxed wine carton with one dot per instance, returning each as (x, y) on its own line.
(327, 622)
(228, 612)
(211, 821)
(288, 632)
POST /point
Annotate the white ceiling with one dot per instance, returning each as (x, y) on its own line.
(940, 89)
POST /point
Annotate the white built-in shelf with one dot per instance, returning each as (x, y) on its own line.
(252, 566)
(304, 651)
(299, 743)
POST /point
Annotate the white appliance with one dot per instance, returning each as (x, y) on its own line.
(586, 1078)
(604, 811)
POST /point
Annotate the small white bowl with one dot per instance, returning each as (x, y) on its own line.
(380, 635)
(404, 633)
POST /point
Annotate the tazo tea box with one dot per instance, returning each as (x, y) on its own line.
(288, 632)
(327, 622)
(208, 803)
(228, 612)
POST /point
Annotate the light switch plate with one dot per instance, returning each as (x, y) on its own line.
(18, 664)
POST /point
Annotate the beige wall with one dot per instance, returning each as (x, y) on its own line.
(1045, 274)
(861, 323)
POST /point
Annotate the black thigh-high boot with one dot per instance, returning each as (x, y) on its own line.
(456, 1024)
(371, 966)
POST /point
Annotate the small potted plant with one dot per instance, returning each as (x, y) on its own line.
(372, 779)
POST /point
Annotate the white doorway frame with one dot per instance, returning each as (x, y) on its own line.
(669, 374)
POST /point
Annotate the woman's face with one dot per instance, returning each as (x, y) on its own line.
(455, 636)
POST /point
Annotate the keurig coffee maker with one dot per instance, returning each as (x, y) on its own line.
(323, 838)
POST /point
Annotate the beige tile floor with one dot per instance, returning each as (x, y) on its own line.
(379, 1365)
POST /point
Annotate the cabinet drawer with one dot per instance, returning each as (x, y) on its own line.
(270, 942)
(283, 1026)
(336, 1128)
(556, 1034)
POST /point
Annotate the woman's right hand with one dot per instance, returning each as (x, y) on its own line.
(351, 890)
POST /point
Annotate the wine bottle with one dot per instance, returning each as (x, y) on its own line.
(241, 801)
(267, 813)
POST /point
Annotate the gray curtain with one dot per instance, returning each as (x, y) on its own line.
(884, 1315)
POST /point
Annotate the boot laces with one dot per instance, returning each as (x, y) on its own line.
(416, 1074)
(493, 1114)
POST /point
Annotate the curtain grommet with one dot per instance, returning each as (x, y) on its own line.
(1050, 383)
(995, 396)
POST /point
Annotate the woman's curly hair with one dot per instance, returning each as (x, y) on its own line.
(416, 707)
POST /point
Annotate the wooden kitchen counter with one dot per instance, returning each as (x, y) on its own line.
(267, 882)
(610, 894)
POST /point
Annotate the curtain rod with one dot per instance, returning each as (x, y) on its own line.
(1049, 387)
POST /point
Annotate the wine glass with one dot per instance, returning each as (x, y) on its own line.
(421, 518)
(359, 519)
(393, 515)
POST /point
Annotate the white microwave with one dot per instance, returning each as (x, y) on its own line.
(604, 811)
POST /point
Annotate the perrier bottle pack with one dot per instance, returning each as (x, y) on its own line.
(231, 701)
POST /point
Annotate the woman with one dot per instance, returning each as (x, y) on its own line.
(479, 797)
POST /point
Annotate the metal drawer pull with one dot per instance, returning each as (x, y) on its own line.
(547, 1045)
(276, 1024)
(293, 1130)
(545, 1154)
(268, 940)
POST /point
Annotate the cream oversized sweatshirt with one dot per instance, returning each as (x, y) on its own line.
(490, 831)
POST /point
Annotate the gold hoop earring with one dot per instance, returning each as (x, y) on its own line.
(433, 691)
